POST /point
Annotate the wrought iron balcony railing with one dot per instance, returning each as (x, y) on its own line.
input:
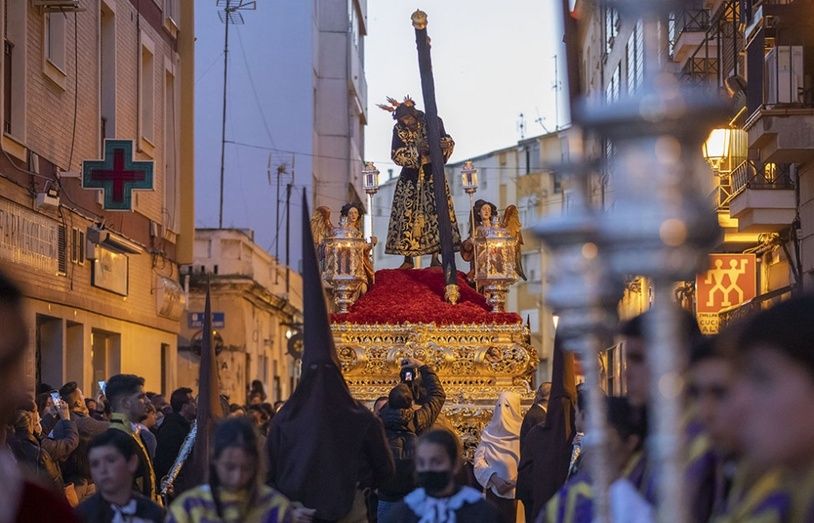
(747, 175)
(686, 21)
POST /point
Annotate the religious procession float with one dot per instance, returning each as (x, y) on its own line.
(454, 321)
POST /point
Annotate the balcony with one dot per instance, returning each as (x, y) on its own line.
(783, 133)
(686, 32)
(763, 200)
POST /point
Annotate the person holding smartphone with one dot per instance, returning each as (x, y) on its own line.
(76, 468)
(405, 418)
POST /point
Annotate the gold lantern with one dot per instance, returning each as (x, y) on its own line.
(344, 270)
(495, 268)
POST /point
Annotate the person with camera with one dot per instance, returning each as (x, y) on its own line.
(412, 408)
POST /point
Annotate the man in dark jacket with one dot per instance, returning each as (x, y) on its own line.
(171, 435)
(403, 423)
(75, 469)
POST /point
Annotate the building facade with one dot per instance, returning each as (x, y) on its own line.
(520, 175)
(257, 314)
(295, 118)
(102, 292)
(759, 54)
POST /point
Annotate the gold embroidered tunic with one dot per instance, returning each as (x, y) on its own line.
(413, 229)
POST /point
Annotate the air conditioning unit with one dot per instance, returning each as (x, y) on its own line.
(65, 6)
(114, 242)
(784, 75)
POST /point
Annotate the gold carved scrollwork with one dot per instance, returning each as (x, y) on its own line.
(474, 362)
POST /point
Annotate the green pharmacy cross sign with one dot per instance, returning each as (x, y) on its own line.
(118, 175)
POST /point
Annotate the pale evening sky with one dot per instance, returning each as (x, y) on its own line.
(491, 61)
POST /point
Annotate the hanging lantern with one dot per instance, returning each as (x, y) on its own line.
(370, 178)
(344, 268)
(495, 267)
(469, 178)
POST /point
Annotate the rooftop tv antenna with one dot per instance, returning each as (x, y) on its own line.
(230, 14)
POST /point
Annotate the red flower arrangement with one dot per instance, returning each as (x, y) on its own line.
(417, 296)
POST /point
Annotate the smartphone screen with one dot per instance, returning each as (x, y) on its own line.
(102, 387)
(55, 398)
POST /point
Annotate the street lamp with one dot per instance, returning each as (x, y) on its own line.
(370, 182)
(716, 147)
(469, 181)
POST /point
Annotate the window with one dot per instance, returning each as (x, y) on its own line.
(635, 58)
(77, 246)
(527, 208)
(532, 267)
(172, 17)
(612, 23)
(612, 89)
(556, 181)
(147, 94)
(534, 156)
(172, 11)
(107, 84)
(171, 192)
(62, 250)
(166, 365)
(7, 79)
(14, 67)
(354, 23)
(54, 45)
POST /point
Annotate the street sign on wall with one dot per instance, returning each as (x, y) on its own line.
(196, 320)
(730, 281)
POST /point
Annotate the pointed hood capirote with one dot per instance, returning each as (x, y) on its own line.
(315, 441)
(318, 342)
(209, 410)
(550, 441)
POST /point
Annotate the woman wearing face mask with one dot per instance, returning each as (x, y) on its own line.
(439, 499)
(234, 492)
(497, 455)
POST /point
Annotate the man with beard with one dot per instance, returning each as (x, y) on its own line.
(128, 406)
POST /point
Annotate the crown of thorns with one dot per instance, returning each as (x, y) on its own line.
(393, 105)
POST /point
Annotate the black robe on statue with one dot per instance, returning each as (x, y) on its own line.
(323, 442)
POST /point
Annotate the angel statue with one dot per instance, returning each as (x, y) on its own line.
(485, 214)
(413, 229)
(482, 214)
(353, 220)
(350, 220)
(321, 228)
(511, 222)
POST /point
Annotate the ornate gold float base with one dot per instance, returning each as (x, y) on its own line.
(475, 363)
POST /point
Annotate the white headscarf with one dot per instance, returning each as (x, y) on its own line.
(499, 449)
